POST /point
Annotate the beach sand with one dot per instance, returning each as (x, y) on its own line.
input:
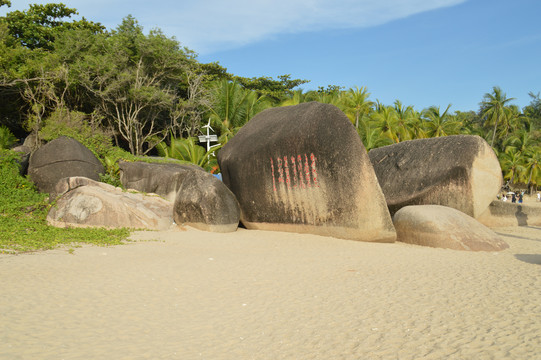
(269, 295)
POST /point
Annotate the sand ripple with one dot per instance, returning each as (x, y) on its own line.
(264, 295)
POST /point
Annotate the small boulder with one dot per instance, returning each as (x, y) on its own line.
(163, 179)
(503, 213)
(205, 203)
(83, 202)
(60, 158)
(304, 169)
(444, 227)
(460, 171)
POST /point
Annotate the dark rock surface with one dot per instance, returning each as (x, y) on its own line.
(303, 168)
(205, 203)
(163, 179)
(60, 158)
(459, 171)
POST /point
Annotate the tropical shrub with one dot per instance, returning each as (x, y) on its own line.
(7, 139)
(23, 214)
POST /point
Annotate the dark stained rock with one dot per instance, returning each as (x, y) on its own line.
(163, 179)
(60, 158)
(459, 171)
(444, 227)
(304, 169)
(83, 202)
(205, 203)
(503, 213)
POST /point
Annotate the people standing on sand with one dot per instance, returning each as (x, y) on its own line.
(538, 196)
(513, 198)
(520, 198)
(504, 198)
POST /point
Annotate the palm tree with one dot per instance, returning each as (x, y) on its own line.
(494, 109)
(533, 167)
(408, 121)
(440, 124)
(233, 106)
(296, 98)
(386, 121)
(356, 104)
(512, 163)
(371, 136)
(187, 151)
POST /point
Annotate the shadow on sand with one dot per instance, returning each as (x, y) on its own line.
(529, 258)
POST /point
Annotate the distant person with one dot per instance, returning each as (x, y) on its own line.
(504, 198)
(538, 196)
(520, 198)
(513, 198)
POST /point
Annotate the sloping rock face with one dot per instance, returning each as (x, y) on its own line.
(85, 203)
(204, 202)
(502, 213)
(459, 171)
(60, 158)
(444, 227)
(158, 178)
(304, 169)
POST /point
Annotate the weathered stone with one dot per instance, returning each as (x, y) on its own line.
(444, 227)
(304, 169)
(60, 158)
(503, 213)
(163, 179)
(459, 171)
(204, 202)
(83, 202)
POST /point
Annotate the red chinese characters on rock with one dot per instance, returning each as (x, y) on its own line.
(294, 172)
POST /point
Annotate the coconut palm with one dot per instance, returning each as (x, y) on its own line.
(233, 106)
(533, 167)
(187, 151)
(440, 124)
(495, 110)
(356, 104)
(512, 163)
(386, 121)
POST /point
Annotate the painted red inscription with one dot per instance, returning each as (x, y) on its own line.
(302, 173)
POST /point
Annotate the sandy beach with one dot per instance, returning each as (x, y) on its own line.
(268, 295)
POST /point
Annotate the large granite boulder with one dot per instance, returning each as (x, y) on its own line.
(444, 227)
(304, 169)
(163, 179)
(459, 171)
(503, 213)
(83, 202)
(60, 158)
(205, 203)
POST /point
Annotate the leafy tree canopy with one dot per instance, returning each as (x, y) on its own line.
(38, 26)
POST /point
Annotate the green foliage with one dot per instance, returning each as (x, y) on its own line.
(38, 26)
(275, 90)
(187, 151)
(7, 139)
(23, 213)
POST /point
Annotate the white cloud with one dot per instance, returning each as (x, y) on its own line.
(207, 26)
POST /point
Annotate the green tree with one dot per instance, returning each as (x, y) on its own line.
(136, 81)
(440, 124)
(356, 104)
(232, 107)
(495, 110)
(385, 120)
(38, 26)
(512, 163)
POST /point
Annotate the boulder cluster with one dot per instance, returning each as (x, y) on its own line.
(301, 169)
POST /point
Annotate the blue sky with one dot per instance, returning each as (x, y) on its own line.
(421, 52)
